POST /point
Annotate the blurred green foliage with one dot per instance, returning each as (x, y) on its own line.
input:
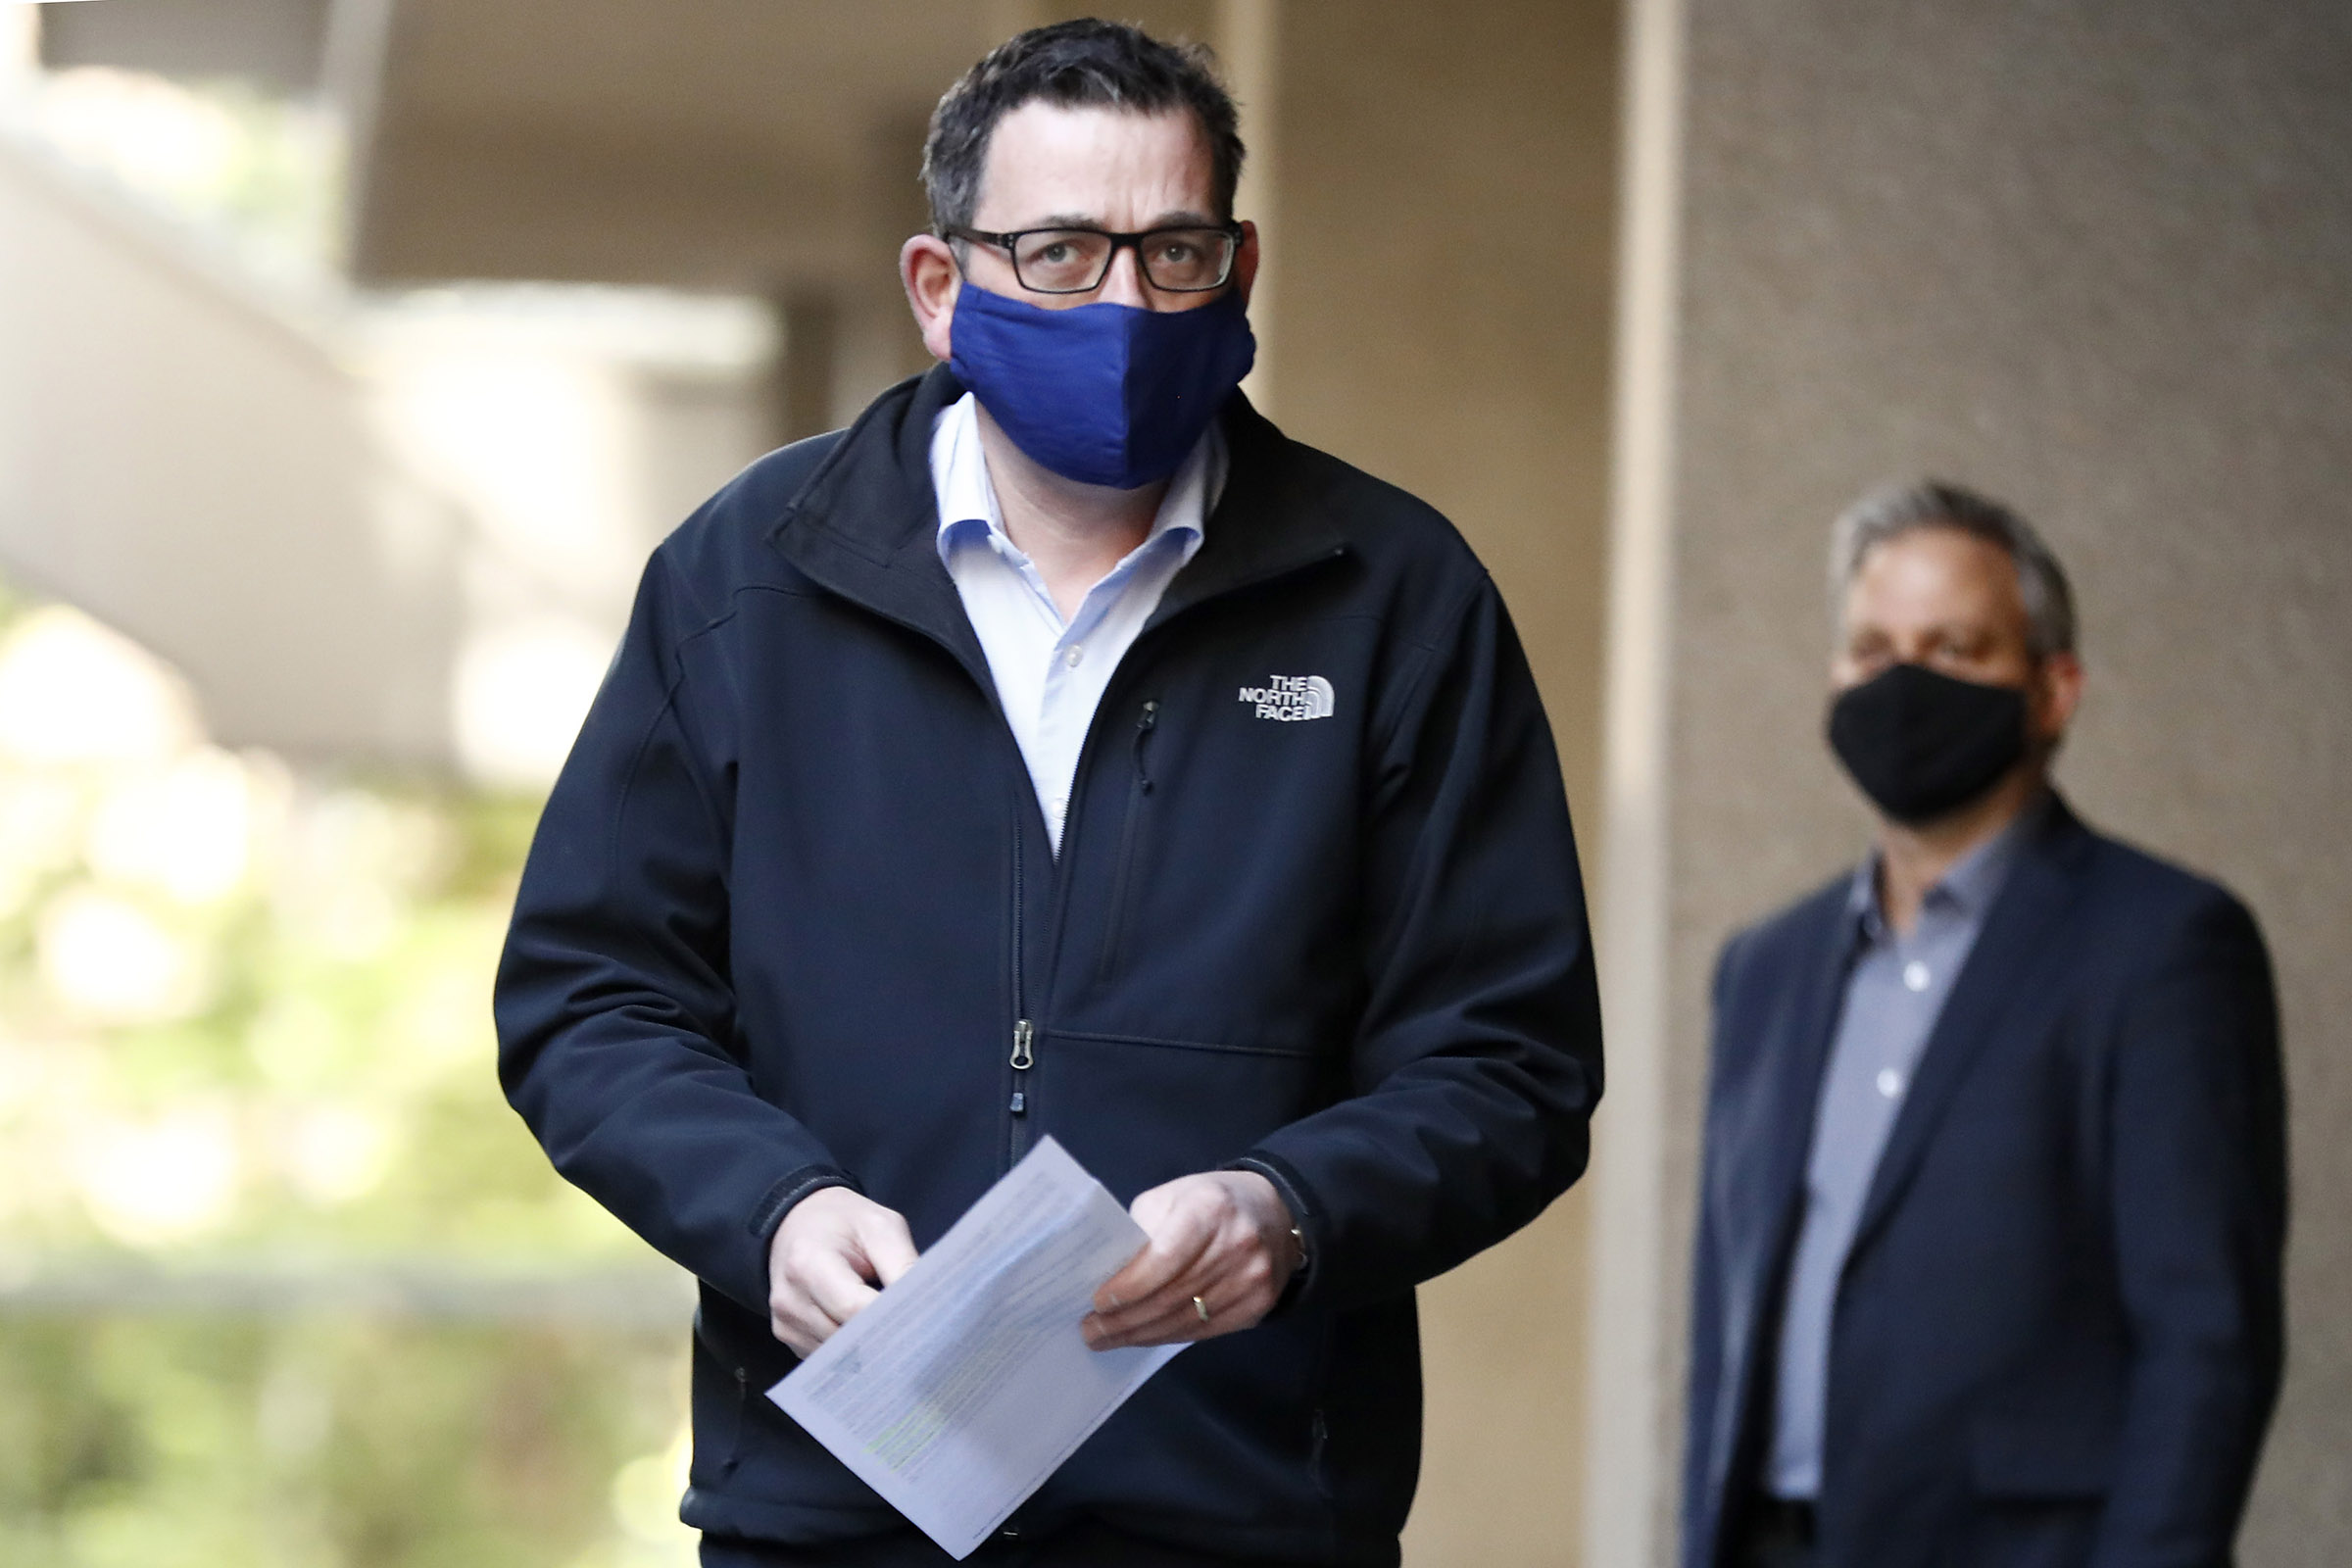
(131, 1441)
(245, 1008)
(245, 1034)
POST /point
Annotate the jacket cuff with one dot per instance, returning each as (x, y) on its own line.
(778, 1199)
(1305, 1213)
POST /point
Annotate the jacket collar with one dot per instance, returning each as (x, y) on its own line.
(866, 524)
(1276, 516)
(1969, 886)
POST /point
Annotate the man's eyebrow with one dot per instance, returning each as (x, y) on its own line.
(1185, 218)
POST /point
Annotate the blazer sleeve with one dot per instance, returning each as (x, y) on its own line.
(1476, 1068)
(615, 1012)
(2198, 1197)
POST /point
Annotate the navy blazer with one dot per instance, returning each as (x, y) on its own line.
(2057, 1338)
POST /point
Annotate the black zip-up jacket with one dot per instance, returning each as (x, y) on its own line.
(792, 919)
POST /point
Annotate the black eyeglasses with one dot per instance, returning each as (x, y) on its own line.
(1190, 259)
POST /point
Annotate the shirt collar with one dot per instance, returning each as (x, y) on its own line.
(1968, 888)
(967, 498)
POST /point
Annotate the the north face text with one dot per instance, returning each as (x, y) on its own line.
(1288, 699)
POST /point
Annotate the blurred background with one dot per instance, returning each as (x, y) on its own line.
(353, 354)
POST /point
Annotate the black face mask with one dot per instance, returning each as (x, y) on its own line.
(1921, 744)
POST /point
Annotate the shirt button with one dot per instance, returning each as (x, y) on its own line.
(1915, 975)
(1891, 1082)
(1076, 652)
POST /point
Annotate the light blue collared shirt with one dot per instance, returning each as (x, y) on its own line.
(1894, 994)
(1050, 673)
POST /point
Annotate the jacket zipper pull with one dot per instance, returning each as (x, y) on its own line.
(1023, 1058)
(1144, 723)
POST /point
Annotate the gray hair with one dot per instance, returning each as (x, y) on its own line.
(1901, 508)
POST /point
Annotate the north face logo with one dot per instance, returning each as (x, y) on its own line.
(1288, 699)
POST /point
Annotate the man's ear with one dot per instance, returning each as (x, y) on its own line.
(1245, 262)
(932, 280)
(2058, 692)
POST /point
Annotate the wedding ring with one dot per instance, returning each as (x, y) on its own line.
(1201, 1307)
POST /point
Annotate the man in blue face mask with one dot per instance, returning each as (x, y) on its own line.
(1063, 751)
(1990, 1236)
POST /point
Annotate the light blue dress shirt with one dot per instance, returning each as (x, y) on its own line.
(1894, 994)
(1050, 673)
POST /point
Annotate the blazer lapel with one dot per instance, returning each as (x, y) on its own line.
(1801, 1057)
(1762, 1195)
(2013, 939)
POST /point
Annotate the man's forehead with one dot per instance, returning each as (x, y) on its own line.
(1937, 571)
(1048, 161)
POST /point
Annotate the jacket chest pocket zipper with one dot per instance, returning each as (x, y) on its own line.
(1129, 831)
(743, 1403)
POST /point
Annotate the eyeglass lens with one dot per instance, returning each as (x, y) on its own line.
(1072, 261)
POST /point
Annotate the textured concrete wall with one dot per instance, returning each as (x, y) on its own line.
(2096, 258)
(1444, 180)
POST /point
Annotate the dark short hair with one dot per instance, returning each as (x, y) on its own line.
(1899, 508)
(1073, 63)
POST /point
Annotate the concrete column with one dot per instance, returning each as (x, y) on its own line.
(2094, 260)
(1629, 1448)
(1247, 38)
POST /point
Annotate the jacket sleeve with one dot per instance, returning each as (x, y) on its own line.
(1477, 1063)
(615, 1011)
(2198, 1194)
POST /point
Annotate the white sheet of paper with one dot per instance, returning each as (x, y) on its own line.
(960, 1389)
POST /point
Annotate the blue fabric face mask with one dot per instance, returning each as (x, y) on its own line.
(1104, 394)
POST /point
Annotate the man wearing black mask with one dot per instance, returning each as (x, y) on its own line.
(1989, 1231)
(1062, 751)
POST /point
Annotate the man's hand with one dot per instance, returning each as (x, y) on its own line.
(832, 1255)
(1223, 1238)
